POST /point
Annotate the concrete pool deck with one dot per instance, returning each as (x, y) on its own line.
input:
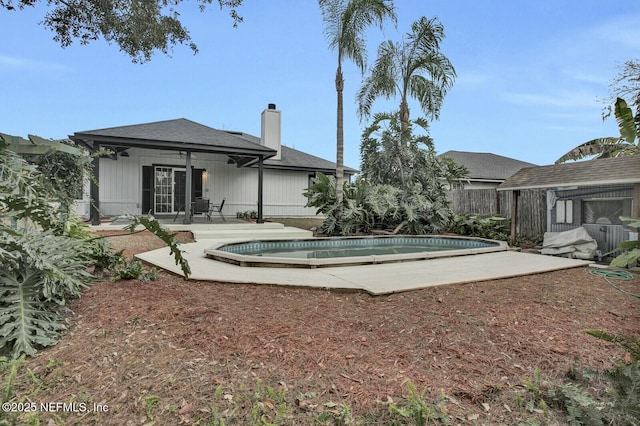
(375, 279)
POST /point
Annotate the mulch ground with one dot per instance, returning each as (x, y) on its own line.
(189, 352)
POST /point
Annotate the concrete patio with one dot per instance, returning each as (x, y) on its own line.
(374, 279)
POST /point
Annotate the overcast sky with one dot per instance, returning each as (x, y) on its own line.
(532, 76)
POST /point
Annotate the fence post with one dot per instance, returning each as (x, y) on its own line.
(514, 215)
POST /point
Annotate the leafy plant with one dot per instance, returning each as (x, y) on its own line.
(9, 371)
(580, 407)
(629, 344)
(632, 255)
(9, 367)
(64, 174)
(23, 194)
(341, 417)
(45, 257)
(483, 226)
(417, 411)
(270, 406)
(133, 270)
(370, 208)
(249, 214)
(102, 257)
(155, 227)
(41, 272)
(624, 379)
(401, 157)
(150, 404)
(534, 397)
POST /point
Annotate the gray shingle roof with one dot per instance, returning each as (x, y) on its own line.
(486, 166)
(182, 134)
(173, 134)
(293, 159)
(605, 171)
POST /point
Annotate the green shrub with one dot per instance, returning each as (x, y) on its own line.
(40, 273)
(631, 255)
(249, 214)
(369, 208)
(133, 270)
(45, 260)
(481, 225)
(624, 380)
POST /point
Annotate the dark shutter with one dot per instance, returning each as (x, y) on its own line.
(147, 189)
(196, 183)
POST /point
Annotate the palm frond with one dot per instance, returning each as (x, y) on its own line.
(415, 67)
(628, 143)
(381, 82)
(629, 130)
(599, 148)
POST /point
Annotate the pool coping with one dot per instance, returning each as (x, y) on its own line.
(243, 260)
(376, 279)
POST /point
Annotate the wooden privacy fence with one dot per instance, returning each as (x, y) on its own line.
(532, 207)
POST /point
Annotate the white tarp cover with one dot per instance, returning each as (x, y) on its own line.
(576, 244)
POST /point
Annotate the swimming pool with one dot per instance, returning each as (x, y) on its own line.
(343, 251)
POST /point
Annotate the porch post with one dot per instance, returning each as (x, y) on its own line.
(514, 215)
(187, 191)
(94, 191)
(260, 180)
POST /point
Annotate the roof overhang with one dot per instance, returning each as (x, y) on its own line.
(599, 182)
(119, 144)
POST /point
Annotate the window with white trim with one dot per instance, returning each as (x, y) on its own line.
(564, 211)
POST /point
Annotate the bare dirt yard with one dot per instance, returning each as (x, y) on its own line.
(172, 352)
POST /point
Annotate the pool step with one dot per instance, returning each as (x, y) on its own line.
(253, 233)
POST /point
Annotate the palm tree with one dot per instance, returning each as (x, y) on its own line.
(345, 22)
(628, 143)
(415, 67)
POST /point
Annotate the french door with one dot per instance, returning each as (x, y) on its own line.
(169, 186)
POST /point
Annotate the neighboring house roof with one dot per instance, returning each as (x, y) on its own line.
(485, 166)
(604, 171)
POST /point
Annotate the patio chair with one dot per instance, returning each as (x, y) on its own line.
(216, 209)
(200, 206)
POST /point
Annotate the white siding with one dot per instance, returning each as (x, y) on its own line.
(121, 184)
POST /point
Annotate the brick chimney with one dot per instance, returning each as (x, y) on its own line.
(270, 133)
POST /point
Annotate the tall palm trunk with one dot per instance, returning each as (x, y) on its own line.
(404, 115)
(404, 127)
(339, 136)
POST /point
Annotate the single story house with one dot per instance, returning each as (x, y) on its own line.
(592, 194)
(162, 167)
(486, 170)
